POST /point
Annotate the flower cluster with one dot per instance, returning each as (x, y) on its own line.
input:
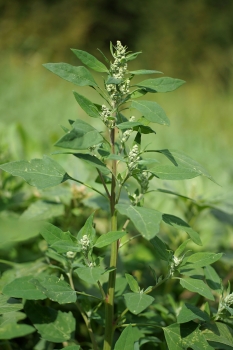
(124, 87)
(144, 181)
(70, 255)
(107, 117)
(133, 158)
(118, 69)
(225, 304)
(126, 134)
(119, 66)
(85, 243)
(175, 262)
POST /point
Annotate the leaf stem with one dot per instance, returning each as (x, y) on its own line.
(139, 324)
(92, 188)
(84, 316)
(130, 239)
(104, 184)
(109, 301)
(88, 295)
(101, 290)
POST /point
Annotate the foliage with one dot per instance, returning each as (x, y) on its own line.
(77, 282)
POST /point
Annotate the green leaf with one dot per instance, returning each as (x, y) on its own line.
(151, 111)
(147, 221)
(190, 312)
(128, 125)
(202, 259)
(137, 302)
(56, 289)
(41, 173)
(132, 56)
(10, 329)
(161, 249)
(93, 161)
(179, 224)
(144, 129)
(90, 274)
(55, 326)
(61, 241)
(109, 238)
(219, 333)
(113, 80)
(22, 287)
(147, 161)
(133, 284)
(144, 71)
(87, 105)
(82, 136)
(138, 93)
(169, 172)
(126, 340)
(193, 337)
(172, 336)
(87, 229)
(8, 304)
(77, 75)
(181, 248)
(90, 61)
(184, 336)
(212, 279)
(164, 84)
(180, 159)
(197, 286)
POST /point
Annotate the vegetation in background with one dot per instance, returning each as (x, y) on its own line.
(72, 280)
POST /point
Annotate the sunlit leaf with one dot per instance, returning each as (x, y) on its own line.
(147, 221)
(190, 312)
(161, 249)
(127, 339)
(219, 333)
(55, 289)
(180, 224)
(82, 136)
(55, 326)
(77, 75)
(8, 304)
(90, 61)
(197, 286)
(180, 159)
(133, 284)
(212, 279)
(40, 173)
(144, 71)
(137, 302)
(164, 84)
(90, 274)
(61, 241)
(87, 105)
(170, 172)
(151, 111)
(202, 259)
(10, 329)
(23, 288)
(108, 238)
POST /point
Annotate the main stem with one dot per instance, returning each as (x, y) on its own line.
(109, 302)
